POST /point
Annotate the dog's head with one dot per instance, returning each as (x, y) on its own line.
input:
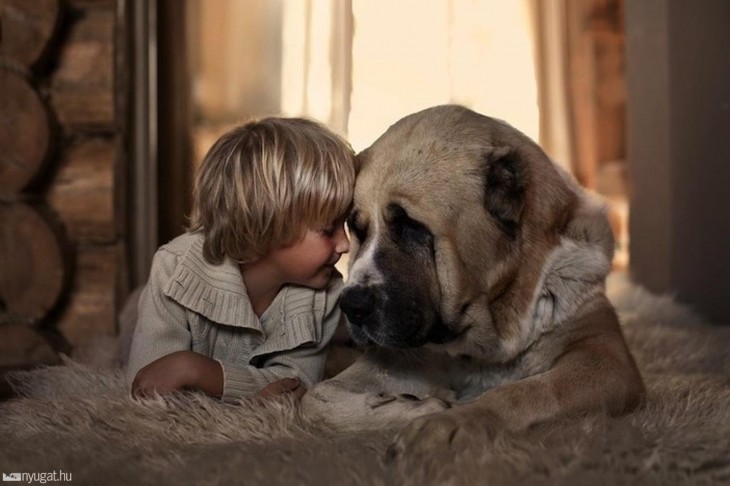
(452, 213)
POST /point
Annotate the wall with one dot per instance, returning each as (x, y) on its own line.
(678, 125)
(78, 190)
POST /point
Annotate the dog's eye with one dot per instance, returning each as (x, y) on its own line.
(359, 230)
(407, 231)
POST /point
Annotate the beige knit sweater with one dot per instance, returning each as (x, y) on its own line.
(189, 304)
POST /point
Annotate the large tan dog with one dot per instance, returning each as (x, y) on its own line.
(477, 285)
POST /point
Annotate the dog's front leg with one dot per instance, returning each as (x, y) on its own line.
(595, 373)
(368, 395)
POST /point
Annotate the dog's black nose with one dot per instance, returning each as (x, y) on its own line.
(357, 303)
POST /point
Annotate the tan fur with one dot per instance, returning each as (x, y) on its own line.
(536, 337)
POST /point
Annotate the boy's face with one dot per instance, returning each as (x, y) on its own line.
(311, 260)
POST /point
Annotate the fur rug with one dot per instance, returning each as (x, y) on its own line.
(78, 419)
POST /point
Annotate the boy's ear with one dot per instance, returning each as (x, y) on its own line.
(361, 159)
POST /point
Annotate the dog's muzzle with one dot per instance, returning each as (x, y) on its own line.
(358, 304)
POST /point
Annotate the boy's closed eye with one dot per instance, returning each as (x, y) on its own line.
(331, 229)
(328, 231)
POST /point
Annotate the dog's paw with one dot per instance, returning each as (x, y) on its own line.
(419, 407)
(435, 435)
(375, 400)
(409, 405)
(426, 435)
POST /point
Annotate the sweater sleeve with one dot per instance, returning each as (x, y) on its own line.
(304, 362)
(162, 326)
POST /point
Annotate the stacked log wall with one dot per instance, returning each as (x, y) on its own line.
(77, 191)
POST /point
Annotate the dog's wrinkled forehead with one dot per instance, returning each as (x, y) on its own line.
(422, 160)
(413, 147)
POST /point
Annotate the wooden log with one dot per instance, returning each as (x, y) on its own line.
(26, 30)
(91, 311)
(22, 346)
(82, 88)
(25, 133)
(33, 267)
(99, 4)
(82, 192)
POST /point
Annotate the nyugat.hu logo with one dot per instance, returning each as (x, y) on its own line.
(12, 477)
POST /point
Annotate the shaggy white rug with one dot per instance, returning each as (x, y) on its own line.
(79, 420)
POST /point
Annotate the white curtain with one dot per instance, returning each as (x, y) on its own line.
(360, 65)
(411, 54)
(551, 40)
(316, 56)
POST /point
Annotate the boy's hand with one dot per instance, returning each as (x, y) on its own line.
(279, 387)
(178, 371)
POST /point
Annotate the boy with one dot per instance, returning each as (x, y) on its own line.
(245, 302)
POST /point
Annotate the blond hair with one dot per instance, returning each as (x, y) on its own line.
(262, 184)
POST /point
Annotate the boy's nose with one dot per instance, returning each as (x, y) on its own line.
(343, 244)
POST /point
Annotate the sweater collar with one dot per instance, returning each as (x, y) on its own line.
(216, 292)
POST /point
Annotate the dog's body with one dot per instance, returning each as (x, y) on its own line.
(477, 285)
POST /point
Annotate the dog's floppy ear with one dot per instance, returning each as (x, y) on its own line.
(505, 180)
